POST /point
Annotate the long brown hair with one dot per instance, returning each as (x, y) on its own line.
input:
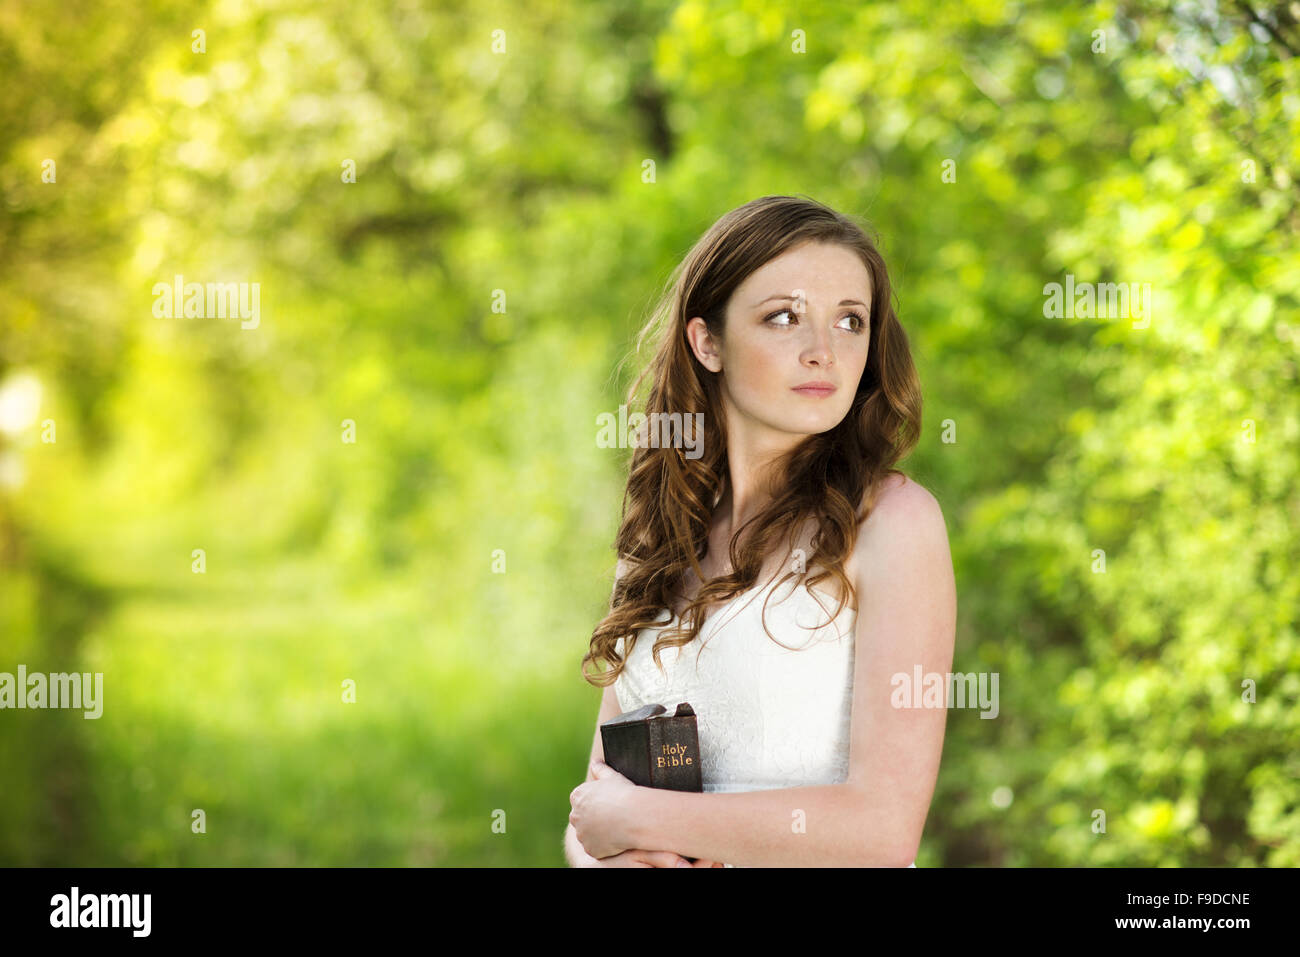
(669, 499)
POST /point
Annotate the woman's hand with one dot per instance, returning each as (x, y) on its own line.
(601, 812)
(601, 816)
(642, 858)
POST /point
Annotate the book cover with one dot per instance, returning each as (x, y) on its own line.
(655, 748)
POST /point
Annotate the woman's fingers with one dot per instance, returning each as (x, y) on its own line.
(643, 858)
(656, 858)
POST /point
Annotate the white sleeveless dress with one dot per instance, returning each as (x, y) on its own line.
(768, 717)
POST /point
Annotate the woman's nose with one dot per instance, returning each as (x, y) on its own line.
(819, 348)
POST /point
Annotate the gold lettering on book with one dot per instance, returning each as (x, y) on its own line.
(676, 756)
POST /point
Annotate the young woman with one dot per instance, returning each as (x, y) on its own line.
(779, 573)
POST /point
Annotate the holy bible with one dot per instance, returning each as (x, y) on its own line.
(654, 748)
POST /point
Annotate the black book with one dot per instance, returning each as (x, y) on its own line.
(654, 748)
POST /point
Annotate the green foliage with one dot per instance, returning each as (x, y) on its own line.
(519, 178)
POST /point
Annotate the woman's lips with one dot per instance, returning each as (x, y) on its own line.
(814, 391)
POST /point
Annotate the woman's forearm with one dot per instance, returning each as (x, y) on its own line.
(573, 849)
(825, 826)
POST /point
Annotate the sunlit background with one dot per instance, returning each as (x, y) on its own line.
(389, 488)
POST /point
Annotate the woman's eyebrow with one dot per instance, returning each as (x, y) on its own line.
(843, 302)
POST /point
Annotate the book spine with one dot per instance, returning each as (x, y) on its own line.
(654, 742)
(627, 752)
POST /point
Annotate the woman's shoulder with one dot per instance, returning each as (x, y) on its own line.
(901, 492)
(903, 506)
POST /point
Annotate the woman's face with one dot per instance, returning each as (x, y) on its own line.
(800, 318)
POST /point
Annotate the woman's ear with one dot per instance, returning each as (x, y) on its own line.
(703, 344)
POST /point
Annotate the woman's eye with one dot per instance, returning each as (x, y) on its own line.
(855, 325)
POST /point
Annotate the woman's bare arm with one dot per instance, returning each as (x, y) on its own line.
(574, 852)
